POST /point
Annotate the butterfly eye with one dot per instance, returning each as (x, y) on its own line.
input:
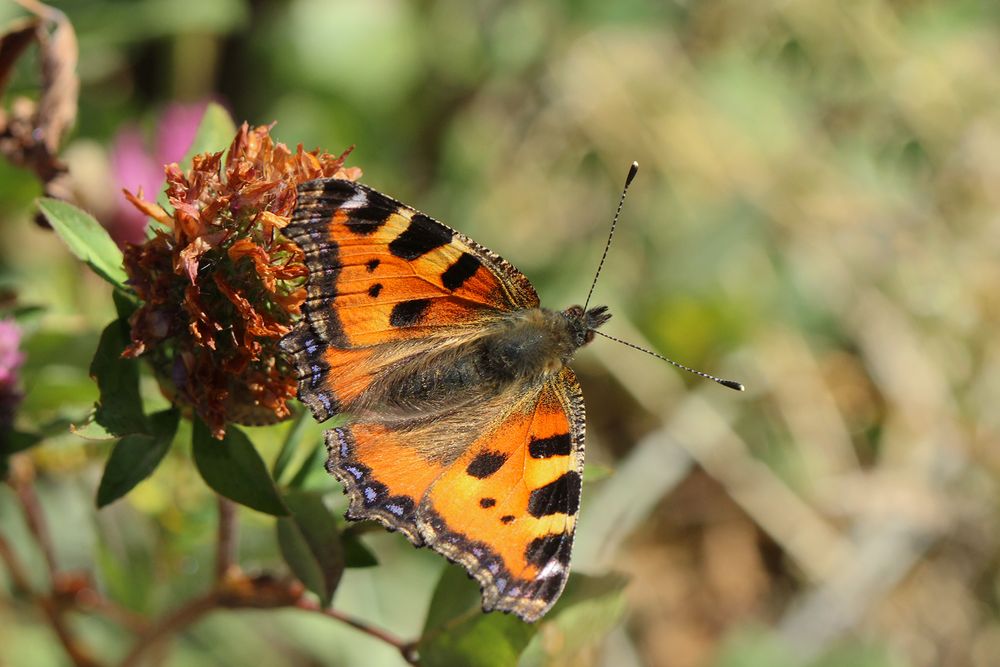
(588, 336)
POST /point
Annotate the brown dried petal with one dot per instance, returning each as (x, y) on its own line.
(292, 302)
(189, 256)
(152, 209)
(272, 221)
(255, 323)
(202, 327)
(262, 262)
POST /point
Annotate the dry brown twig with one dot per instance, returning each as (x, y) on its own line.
(234, 589)
(55, 604)
(32, 131)
(237, 590)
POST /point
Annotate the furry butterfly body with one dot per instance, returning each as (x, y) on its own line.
(465, 426)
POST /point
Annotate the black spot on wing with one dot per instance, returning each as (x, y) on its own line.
(372, 264)
(377, 200)
(485, 464)
(366, 220)
(547, 589)
(559, 496)
(487, 503)
(374, 290)
(506, 518)
(464, 268)
(408, 313)
(557, 445)
(420, 237)
(334, 190)
(543, 549)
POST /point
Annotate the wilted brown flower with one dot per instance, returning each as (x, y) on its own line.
(219, 283)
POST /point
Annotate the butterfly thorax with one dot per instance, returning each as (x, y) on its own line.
(536, 343)
(518, 350)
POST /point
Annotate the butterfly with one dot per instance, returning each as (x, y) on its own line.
(465, 423)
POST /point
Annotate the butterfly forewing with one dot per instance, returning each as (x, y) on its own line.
(380, 273)
(383, 271)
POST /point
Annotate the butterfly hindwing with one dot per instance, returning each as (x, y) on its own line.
(383, 477)
(505, 507)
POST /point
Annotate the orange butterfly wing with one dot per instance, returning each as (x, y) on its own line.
(381, 272)
(387, 280)
(505, 509)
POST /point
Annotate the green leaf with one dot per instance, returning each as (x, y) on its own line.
(594, 472)
(126, 303)
(313, 462)
(304, 450)
(457, 632)
(589, 609)
(136, 456)
(586, 588)
(455, 596)
(290, 443)
(119, 409)
(26, 313)
(310, 544)
(357, 553)
(91, 430)
(12, 442)
(18, 441)
(86, 239)
(233, 468)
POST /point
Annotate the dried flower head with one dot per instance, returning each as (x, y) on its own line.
(219, 283)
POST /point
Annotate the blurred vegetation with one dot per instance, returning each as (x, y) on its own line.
(816, 215)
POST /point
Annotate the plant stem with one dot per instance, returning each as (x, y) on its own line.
(21, 475)
(18, 575)
(260, 596)
(77, 654)
(405, 648)
(225, 555)
(232, 591)
(173, 623)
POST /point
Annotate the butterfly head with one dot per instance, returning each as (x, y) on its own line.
(583, 323)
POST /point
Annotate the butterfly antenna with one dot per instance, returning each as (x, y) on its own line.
(732, 384)
(632, 171)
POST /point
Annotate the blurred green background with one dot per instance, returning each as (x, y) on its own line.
(816, 214)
